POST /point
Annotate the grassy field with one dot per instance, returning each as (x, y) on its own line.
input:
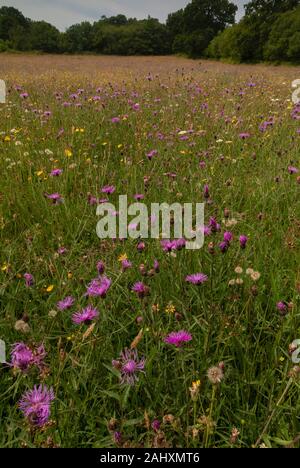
(231, 129)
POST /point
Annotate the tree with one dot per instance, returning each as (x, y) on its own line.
(284, 39)
(268, 8)
(193, 27)
(14, 28)
(44, 37)
(79, 38)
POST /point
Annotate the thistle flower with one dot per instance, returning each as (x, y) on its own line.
(98, 287)
(197, 278)
(65, 303)
(129, 366)
(86, 316)
(178, 338)
(36, 405)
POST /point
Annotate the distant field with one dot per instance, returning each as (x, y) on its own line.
(79, 130)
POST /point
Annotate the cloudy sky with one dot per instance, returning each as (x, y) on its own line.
(63, 13)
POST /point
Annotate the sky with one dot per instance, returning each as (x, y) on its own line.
(64, 13)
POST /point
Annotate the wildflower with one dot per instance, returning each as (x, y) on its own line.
(215, 375)
(140, 289)
(86, 316)
(68, 153)
(22, 326)
(224, 246)
(151, 154)
(23, 357)
(56, 172)
(126, 264)
(109, 189)
(155, 425)
(255, 276)
(100, 267)
(228, 237)
(234, 435)
(156, 266)
(141, 246)
(194, 389)
(213, 225)
(98, 287)
(244, 135)
(129, 366)
(117, 438)
(50, 288)
(178, 338)
(206, 191)
(55, 197)
(282, 307)
(197, 278)
(66, 303)
(293, 170)
(243, 241)
(36, 405)
(29, 281)
(238, 270)
(170, 309)
(122, 257)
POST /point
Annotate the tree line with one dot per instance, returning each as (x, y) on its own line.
(270, 30)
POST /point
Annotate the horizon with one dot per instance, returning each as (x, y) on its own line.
(62, 14)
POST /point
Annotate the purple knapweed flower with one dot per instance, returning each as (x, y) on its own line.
(129, 366)
(197, 278)
(23, 357)
(126, 264)
(101, 267)
(56, 172)
(178, 338)
(293, 170)
(65, 303)
(151, 154)
(98, 287)
(55, 197)
(243, 241)
(85, 316)
(29, 280)
(109, 189)
(140, 289)
(36, 405)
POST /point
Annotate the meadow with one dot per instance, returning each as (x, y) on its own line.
(122, 343)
